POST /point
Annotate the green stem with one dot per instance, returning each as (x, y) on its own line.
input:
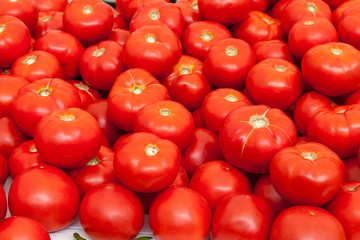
(78, 237)
(144, 238)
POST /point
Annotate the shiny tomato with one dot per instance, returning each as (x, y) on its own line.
(340, 12)
(353, 98)
(48, 21)
(111, 212)
(53, 200)
(259, 129)
(119, 35)
(3, 205)
(55, 5)
(119, 20)
(199, 123)
(242, 216)
(306, 222)
(132, 90)
(147, 163)
(348, 27)
(227, 62)
(180, 213)
(128, 8)
(272, 49)
(187, 83)
(87, 94)
(352, 170)
(260, 5)
(189, 10)
(278, 8)
(15, 40)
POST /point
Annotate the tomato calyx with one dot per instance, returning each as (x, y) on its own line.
(268, 21)
(184, 70)
(207, 36)
(93, 162)
(259, 121)
(67, 118)
(2, 28)
(231, 51)
(137, 90)
(99, 52)
(78, 237)
(45, 18)
(143, 238)
(308, 23)
(312, 7)
(280, 68)
(309, 156)
(150, 38)
(33, 149)
(312, 213)
(30, 60)
(44, 92)
(194, 5)
(154, 15)
(165, 112)
(231, 98)
(354, 188)
(336, 51)
(87, 9)
(151, 150)
(82, 86)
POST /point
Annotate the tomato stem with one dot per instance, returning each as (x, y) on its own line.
(78, 237)
(143, 238)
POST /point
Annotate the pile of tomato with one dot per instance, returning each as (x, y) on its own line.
(236, 119)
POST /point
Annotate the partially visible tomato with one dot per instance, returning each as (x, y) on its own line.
(352, 170)
(87, 94)
(3, 205)
(128, 8)
(189, 10)
(348, 27)
(199, 123)
(48, 21)
(55, 5)
(340, 12)
(278, 8)
(4, 171)
(353, 98)
(272, 49)
(119, 35)
(119, 20)
(261, 5)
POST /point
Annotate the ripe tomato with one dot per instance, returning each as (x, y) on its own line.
(3, 171)
(3, 205)
(348, 27)
(111, 212)
(227, 62)
(119, 21)
(272, 49)
(259, 129)
(47, 22)
(242, 216)
(261, 5)
(87, 94)
(55, 5)
(306, 222)
(352, 170)
(353, 98)
(127, 8)
(198, 118)
(189, 10)
(180, 213)
(278, 8)
(53, 199)
(119, 35)
(341, 11)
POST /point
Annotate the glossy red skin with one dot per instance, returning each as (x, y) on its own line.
(3, 205)
(119, 20)
(29, 106)
(140, 171)
(333, 4)
(352, 170)
(65, 47)
(257, 27)
(47, 22)
(272, 49)
(239, 139)
(228, 180)
(128, 8)
(199, 123)
(308, 182)
(25, 10)
(204, 148)
(228, 70)
(353, 98)
(348, 27)
(88, 28)
(337, 129)
(189, 88)
(15, 40)
(124, 100)
(310, 32)
(218, 104)
(45, 6)
(3, 171)
(260, 5)
(68, 144)
(53, 200)
(111, 212)
(99, 69)
(156, 58)
(307, 106)
(17, 227)
(189, 10)
(306, 222)
(177, 127)
(242, 216)
(180, 213)
(224, 12)
(169, 15)
(344, 206)
(298, 10)
(119, 35)
(10, 136)
(278, 8)
(340, 12)
(87, 94)
(192, 42)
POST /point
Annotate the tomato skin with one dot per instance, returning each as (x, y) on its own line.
(348, 27)
(45, 6)
(198, 118)
(53, 200)
(111, 212)
(189, 11)
(47, 22)
(119, 35)
(4, 172)
(255, 128)
(87, 94)
(353, 98)
(278, 8)
(352, 170)
(180, 213)
(341, 11)
(272, 49)
(301, 222)
(235, 213)
(128, 8)
(3, 205)
(119, 21)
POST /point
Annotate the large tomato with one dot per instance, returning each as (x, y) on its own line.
(128, 8)
(119, 35)
(55, 5)
(340, 12)
(272, 49)
(87, 94)
(47, 22)
(348, 27)
(189, 10)
(353, 98)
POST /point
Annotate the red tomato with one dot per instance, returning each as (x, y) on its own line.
(302, 140)
(53, 199)
(224, 12)
(352, 170)
(259, 129)
(90, 21)
(199, 123)
(340, 12)
(3, 171)
(335, 3)
(132, 90)
(260, 5)
(218, 104)
(119, 20)
(257, 27)
(111, 212)
(54, 5)
(3, 206)
(17, 227)
(242, 216)
(181, 179)
(63, 139)
(47, 22)
(119, 35)
(15, 39)
(167, 119)
(155, 48)
(353, 98)
(199, 36)
(306, 222)
(348, 27)
(180, 213)
(204, 148)
(189, 10)
(227, 62)
(127, 8)
(272, 49)
(87, 94)
(278, 8)
(187, 83)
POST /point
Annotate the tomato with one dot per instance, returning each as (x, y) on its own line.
(87, 94)
(53, 200)
(340, 12)
(199, 36)
(218, 104)
(132, 90)
(278, 8)
(224, 12)
(47, 22)
(259, 129)
(155, 48)
(111, 212)
(127, 8)
(15, 40)
(65, 47)
(90, 21)
(180, 213)
(260, 5)
(55, 5)
(119, 20)
(187, 83)
(3, 171)
(352, 170)
(242, 216)
(167, 119)
(17, 227)
(306, 222)
(257, 27)
(189, 10)
(119, 35)
(199, 123)
(334, 3)
(227, 62)
(3, 205)
(353, 98)
(348, 27)
(272, 49)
